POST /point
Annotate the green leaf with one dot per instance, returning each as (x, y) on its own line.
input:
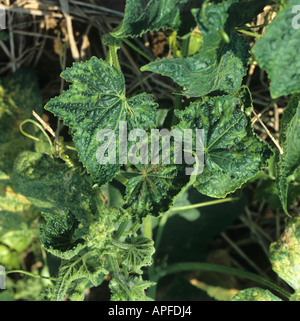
(8, 258)
(137, 253)
(222, 61)
(285, 254)
(81, 269)
(255, 294)
(52, 187)
(58, 235)
(65, 197)
(19, 95)
(96, 100)
(242, 12)
(131, 288)
(103, 226)
(14, 202)
(267, 192)
(14, 232)
(209, 70)
(225, 16)
(152, 189)
(16, 218)
(183, 200)
(211, 20)
(233, 153)
(149, 15)
(278, 51)
(289, 161)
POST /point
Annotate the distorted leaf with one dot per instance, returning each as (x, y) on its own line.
(289, 161)
(233, 153)
(278, 51)
(96, 100)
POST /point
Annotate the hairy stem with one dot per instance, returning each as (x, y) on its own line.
(112, 57)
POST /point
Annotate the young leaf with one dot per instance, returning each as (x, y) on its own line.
(95, 101)
(131, 288)
(233, 153)
(289, 161)
(84, 268)
(278, 51)
(255, 294)
(103, 226)
(137, 252)
(152, 189)
(58, 235)
(144, 15)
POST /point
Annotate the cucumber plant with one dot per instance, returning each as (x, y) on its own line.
(98, 236)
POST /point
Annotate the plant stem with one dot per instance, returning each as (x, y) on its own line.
(250, 33)
(33, 137)
(208, 267)
(120, 230)
(120, 178)
(178, 98)
(31, 274)
(120, 245)
(160, 229)
(151, 268)
(148, 227)
(112, 57)
(138, 50)
(185, 46)
(214, 202)
(136, 225)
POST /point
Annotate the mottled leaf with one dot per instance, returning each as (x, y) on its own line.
(80, 269)
(137, 252)
(15, 232)
(233, 153)
(52, 187)
(285, 254)
(96, 100)
(217, 66)
(221, 63)
(289, 161)
(151, 190)
(16, 218)
(279, 54)
(103, 226)
(149, 15)
(58, 235)
(209, 70)
(131, 288)
(255, 294)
